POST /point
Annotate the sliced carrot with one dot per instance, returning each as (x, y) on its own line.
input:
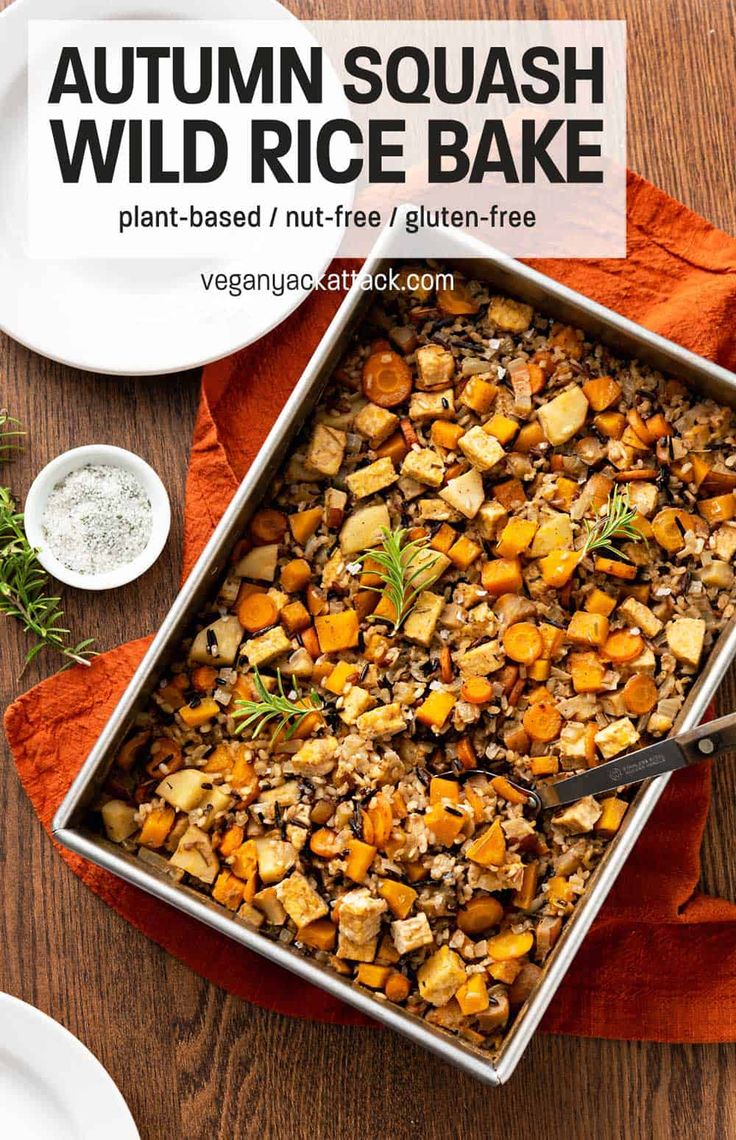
(257, 612)
(325, 843)
(397, 988)
(637, 424)
(616, 567)
(386, 379)
(268, 526)
(446, 671)
(543, 722)
(479, 914)
(466, 753)
(636, 475)
(523, 643)
(506, 790)
(476, 690)
(640, 694)
(622, 645)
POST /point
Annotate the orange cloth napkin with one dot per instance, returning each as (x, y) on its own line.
(660, 962)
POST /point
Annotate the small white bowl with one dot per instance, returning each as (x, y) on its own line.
(58, 469)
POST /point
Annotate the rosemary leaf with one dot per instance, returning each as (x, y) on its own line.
(24, 591)
(397, 563)
(273, 707)
(616, 521)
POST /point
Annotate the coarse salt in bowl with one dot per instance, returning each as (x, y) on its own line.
(48, 481)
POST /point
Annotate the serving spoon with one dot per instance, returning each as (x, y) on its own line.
(707, 742)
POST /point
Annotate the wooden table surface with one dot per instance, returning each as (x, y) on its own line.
(192, 1061)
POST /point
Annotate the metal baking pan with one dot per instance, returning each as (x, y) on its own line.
(623, 337)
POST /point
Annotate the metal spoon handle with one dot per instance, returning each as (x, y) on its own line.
(708, 741)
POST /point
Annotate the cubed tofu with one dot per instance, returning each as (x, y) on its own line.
(411, 934)
(218, 643)
(490, 518)
(426, 406)
(364, 528)
(375, 424)
(465, 493)
(422, 621)
(437, 510)
(483, 451)
(441, 976)
(646, 662)
(371, 479)
(360, 915)
(573, 743)
(275, 858)
(508, 315)
(355, 702)
(300, 900)
(424, 465)
(265, 648)
(386, 720)
(637, 614)
(685, 637)
(326, 450)
(553, 533)
(435, 367)
(356, 951)
(316, 757)
(579, 817)
(616, 737)
(724, 541)
(564, 416)
(259, 563)
(644, 497)
(717, 575)
(481, 660)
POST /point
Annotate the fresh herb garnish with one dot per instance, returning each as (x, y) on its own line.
(11, 435)
(274, 706)
(617, 522)
(24, 590)
(400, 566)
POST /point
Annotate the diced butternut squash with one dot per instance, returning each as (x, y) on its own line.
(372, 976)
(544, 765)
(445, 822)
(612, 816)
(560, 894)
(502, 576)
(489, 849)
(530, 436)
(399, 897)
(611, 424)
(446, 435)
(156, 827)
(510, 494)
(602, 392)
(515, 538)
(553, 638)
(558, 567)
(721, 508)
(343, 672)
(566, 491)
(435, 710)
(319, 935)
(587, 672)
(441, 789)
(464, 552)
(337, 631)
(502, 428)
(524, 897)
(295, 618)
(304, 524)
(195, 715)
(478, 395)
(599, 602)
(295, 575)
(473, 996)
(588, 629)
(360, 858)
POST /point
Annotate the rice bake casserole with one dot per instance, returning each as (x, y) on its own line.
(497, 555)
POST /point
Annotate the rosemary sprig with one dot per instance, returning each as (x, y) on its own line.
(615, 521)
(24, 591)
(274, 706)
(400, 568)
(11, 435)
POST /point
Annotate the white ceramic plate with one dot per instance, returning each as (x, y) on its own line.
(116, 316)
(51, 1086)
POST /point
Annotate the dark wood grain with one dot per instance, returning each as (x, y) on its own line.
(192, 1061)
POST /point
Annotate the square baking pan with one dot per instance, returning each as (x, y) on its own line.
(546, 295)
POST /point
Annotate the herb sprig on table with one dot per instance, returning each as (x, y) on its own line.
(24, 584)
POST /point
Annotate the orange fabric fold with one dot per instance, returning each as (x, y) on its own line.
(660, 961)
